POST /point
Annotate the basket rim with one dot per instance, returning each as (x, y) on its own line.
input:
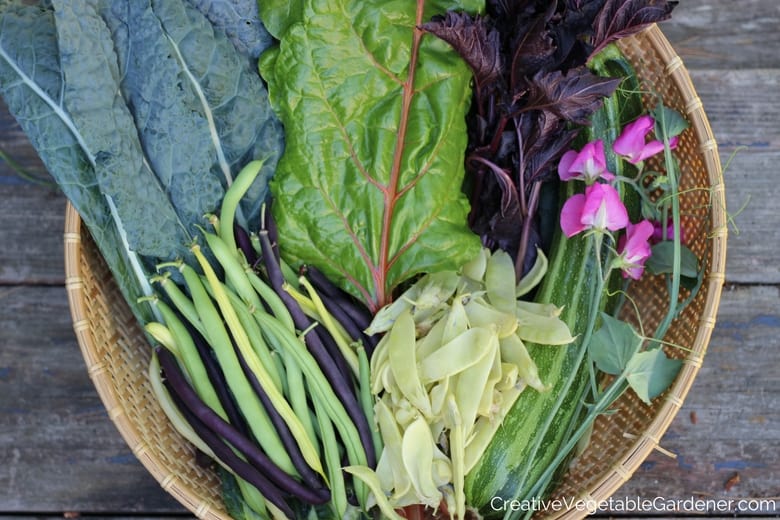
(611, 479)
(673, 399)
(169, 480)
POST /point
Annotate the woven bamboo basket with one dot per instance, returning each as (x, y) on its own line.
(117, 354)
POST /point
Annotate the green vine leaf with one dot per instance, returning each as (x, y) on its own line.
(612, 346)
(661, 260)
(651, 372)
(368, 189)
(668, 121)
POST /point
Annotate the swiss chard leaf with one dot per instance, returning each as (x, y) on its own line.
(368, 189)
(280, 15)
(31, 84)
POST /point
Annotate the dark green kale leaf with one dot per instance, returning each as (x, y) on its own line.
(31, 84)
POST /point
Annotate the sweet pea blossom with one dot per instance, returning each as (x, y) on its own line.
(599, 208)
(631, 142)
(634, 249)
(658, 232)
(589, 164)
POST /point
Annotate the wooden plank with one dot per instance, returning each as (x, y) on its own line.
(58, 449)
(743, 107)
(33, 214)
(730, 422)
(726, 34)
(35, 220)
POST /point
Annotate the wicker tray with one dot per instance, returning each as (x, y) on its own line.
(117, 354)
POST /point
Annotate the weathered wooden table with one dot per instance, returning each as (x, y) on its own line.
(60, 453)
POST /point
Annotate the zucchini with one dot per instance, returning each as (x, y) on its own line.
(539, 423)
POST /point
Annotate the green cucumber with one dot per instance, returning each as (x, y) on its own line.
(539, 423)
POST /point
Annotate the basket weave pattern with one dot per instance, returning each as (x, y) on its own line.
(117, 354)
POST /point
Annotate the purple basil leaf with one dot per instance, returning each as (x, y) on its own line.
(573, 32)
(621, 18)
(546, 152)
(476, 42)
(510, 200)
(533, 50)
(573, 96)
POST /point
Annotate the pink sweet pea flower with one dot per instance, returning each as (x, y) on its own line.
(589, 164)
(631, 142)
(599, 208)
(658, 232)
(634, 249)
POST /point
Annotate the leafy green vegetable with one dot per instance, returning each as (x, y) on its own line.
(279, 15)
(203, 110)
(136, 109)
(240, 21)
(108, 134)
(661, 260)
(368, 190)
(31, 84)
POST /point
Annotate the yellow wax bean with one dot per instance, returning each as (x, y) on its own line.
(457, 355)
(500, 281)
(401, 344)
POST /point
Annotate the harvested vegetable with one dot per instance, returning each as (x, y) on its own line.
(532, 90)
(354, 352)
(132, 118)
(536, 428)
(450, 367)
(298, 413)
(368, 190)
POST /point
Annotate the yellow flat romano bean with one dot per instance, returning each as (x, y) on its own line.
(494, 377)
(457, 355)
(391, 456)
(485, 428)
(500, 281)
(438, 394)
(456, 322)
(377, 361)
(542, 309)
(458, 454)
(475, 269)
(509, 377)
(513, 351)
(545, 330)
(372, 481)
(417, 450)
(431, 341)
(401, 343)
(533, 277)
(481, 314)
(471, 383)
